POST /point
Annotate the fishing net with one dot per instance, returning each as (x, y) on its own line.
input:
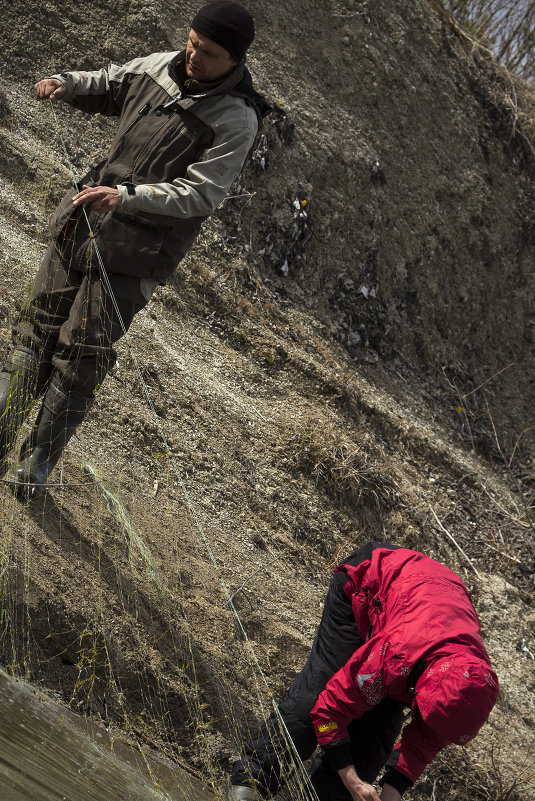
(105, 577)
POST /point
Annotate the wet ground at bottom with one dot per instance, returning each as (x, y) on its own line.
(48, 753)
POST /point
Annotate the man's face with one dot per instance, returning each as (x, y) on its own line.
(206, 60)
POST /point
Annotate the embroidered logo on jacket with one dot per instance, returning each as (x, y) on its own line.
(331, 725)
(362, 677)
(371, 687)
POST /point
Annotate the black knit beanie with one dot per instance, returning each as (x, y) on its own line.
(227, 24)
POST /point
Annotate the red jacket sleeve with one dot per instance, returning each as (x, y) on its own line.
(416, 749)
(371, 674)
(353, 690)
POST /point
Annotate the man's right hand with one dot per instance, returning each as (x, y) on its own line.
(49, 89)
(359, 790)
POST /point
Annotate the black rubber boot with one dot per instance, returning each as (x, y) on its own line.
(239, 792)
(29, 443)
(60, 416)
(23, 378)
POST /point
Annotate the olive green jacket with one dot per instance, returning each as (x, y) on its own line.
(173, 159)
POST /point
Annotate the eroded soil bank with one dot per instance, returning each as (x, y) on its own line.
(364, 372)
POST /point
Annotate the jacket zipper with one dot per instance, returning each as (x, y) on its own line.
(143, 111)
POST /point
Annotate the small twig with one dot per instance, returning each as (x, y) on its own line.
(525, 431)
(461, 407)
(263, 567)
(507, 556)
(517, 482)
(56, 484)
(347, 539)
(492, 377)
(447, 533)
(242, 194)
(502, 509)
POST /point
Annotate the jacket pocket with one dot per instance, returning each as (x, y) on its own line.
(175, 244)
(65, 215)
(130, 245)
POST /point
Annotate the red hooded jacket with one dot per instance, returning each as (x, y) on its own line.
(409, 608)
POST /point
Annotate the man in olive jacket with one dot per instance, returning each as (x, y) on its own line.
(187, 121)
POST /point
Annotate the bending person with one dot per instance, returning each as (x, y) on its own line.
(398, 631)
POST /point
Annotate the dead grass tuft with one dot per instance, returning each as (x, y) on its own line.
(340, 465)
(456, 776)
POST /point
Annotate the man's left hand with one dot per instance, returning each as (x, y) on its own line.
(100, 198)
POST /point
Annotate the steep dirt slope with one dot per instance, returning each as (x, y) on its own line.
(313, 390)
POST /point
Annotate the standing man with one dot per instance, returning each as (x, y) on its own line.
(187, 121)
(398, 630)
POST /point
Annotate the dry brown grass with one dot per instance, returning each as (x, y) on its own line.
(340, 464)
(456, 776)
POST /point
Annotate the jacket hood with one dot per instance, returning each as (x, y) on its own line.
(455, 696)
(246, 90)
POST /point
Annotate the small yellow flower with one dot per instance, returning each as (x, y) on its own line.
(458, 409)
(303, 202)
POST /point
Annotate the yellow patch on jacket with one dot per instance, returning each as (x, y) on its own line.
(331, 725)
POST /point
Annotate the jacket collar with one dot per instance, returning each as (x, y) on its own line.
(188, 86)
(238, 83)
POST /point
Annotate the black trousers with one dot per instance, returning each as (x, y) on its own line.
(70, 319)
(266, 758)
